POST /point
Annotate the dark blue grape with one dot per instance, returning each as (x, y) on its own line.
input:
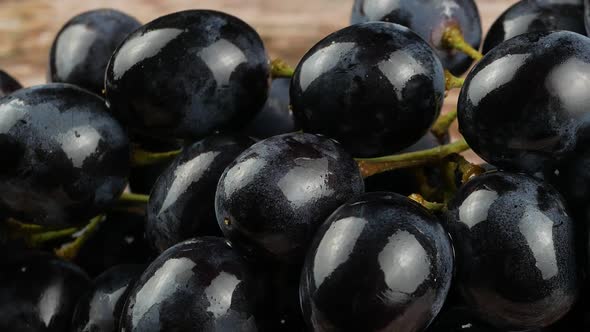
(429, 19)
(272, 198)
(375, 87)
(197, 285)
(530, 16)
(8, 84)
(65, 159)
(99, 309)
(524, 106)
(39, 292)
(182, 203)
(82, 48)
(189, 74)
(276, 117)
(515, 251)
(380, 262)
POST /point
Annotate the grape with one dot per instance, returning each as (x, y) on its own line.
(375, 87)
(98, 310)
(84, 45)
(523, 107)
(118, 240)
(197, 285)
(515, 252)
(429, 19)
(38, 292)
(276, 117)
(380, 262)
(65, 159)
(530, 16)
(272, 198)
(188, 74)
(8, 84)
(182, 203)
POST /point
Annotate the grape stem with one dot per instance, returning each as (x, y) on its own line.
(453, 39)
(373, 166)
(35, 236)
(467, 169)
(431, 206)
(441, 127)
(69, 251)
(20, 227)
(452, 81)
(140, 157)
(133, 198)
(279, 68)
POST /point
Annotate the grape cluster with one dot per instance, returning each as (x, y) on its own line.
(171, 177)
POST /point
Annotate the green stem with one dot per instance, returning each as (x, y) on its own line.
(453, 38)
(279, 68)
(20, 227)
(452, 81)
(441, 127)
(38, 239)
(141, 157)
(374, 166)
(133, 198)
(35, 236)
(431, 206)
(69, 251)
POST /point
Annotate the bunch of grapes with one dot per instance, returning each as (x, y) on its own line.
(171, 177)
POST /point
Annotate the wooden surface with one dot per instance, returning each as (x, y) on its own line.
(288, 27)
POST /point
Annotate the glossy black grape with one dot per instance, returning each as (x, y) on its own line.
(380, 262)
(524, 106)
(197, 285)
(272, 198)
(143, 177)
(530, 16)
(429, 19)
(276, 117)
(407, 181)
(189, 74)
(8, 84)
(515, 252)
(82, 48)
(64, 158)
(182, 203)
(375, 87)
(118, 240)
(99, 309)
(38, 292)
